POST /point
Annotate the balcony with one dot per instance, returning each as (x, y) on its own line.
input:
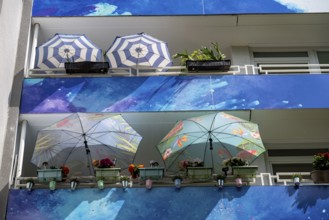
(266, 69)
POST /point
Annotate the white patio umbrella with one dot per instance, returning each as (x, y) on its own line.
(62, 48)
(138, 50)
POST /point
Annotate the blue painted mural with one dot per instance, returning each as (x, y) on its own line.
(174, 93)
(256, 202)
(173, 7)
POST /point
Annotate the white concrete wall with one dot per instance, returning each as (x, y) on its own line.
(10, 18)
(14, 30)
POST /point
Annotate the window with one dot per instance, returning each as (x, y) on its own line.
(292, 160)
(289, 62)
(323, 58)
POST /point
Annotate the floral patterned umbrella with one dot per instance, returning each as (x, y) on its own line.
(80, 138)
(210, 139)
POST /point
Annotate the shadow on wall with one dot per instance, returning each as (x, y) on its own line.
(135, 203)
(256, 202)
(308, 196)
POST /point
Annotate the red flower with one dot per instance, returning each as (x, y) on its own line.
(134, 169)
(106, 163)
(65, 170)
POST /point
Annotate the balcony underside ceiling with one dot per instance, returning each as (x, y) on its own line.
(286, 127)
(190, 32)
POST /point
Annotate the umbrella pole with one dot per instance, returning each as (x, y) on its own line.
(91, 169)
(211, 149)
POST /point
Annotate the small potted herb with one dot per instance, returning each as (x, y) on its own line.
(124, 181)
(241, 167)
(297, 178)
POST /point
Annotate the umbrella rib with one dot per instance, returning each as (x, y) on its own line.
(231, 123)
(238, 136)
(73, 148)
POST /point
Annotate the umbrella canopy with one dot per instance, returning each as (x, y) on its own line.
(62, 48)
(211, 139)
(80, 138)
(138, 50)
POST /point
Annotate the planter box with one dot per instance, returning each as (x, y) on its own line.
(108, 174)
(245, 171)
(199, 173)
(46, 175)
(153, 173)
(208, 65)
(87, 67)
(320, 176)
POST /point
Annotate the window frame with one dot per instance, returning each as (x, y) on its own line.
(312, 57)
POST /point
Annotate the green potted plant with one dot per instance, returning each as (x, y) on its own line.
(195, 169)
(46, 175)
(152, 173)
(320, 174)
(106, 168)
(297, 178)
(241, 167)
(205, 58)
(124, 181)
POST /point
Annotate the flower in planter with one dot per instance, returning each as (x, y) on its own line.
(235, 161)
(65, 170)
(104, 163)
(134, 169)
(321, 161)
(183, 164)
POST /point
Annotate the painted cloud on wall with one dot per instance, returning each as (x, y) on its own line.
(174, 7)
(105, 9)
(306, 5)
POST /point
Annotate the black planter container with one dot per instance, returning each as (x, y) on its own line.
(87, 67)
(208, 65)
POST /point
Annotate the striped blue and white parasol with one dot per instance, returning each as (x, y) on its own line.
(62, 48)
(138, 50)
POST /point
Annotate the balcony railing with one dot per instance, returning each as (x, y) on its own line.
(181, 70)
(263, 179)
